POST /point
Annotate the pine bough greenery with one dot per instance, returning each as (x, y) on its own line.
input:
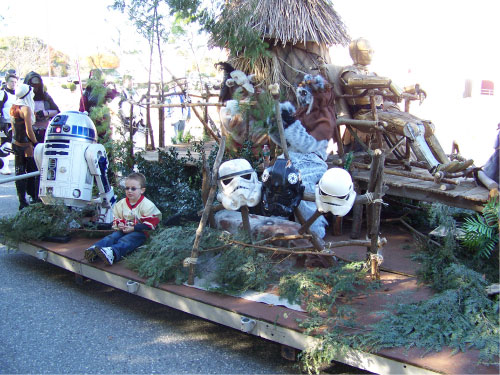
(36, 222)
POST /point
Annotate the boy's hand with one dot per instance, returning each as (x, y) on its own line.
(128, 229)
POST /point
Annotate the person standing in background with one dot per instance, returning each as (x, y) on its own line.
(22, 117)
(7, 98)
(45, 107)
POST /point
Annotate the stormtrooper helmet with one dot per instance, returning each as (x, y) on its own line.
(282, 188)
(335, 192)
(238, 185)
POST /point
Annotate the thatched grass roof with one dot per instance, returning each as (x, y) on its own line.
(300, 21)
(294, 21)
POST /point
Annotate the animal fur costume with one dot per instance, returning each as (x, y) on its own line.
(308, 155)
(253, 102)
(318, 115)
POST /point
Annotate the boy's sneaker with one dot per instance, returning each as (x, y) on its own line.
(90, 254)
(106, 254)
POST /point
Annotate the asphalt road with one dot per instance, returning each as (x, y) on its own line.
(51, 324)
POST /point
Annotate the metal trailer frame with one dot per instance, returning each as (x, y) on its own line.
(267, 330)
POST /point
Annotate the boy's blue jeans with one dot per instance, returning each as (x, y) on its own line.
(121, 243)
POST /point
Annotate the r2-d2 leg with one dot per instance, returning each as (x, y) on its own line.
(97, 161)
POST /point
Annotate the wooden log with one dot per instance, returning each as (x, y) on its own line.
(486, 181)
(206, 126)
(205, 189)
(337, 225)
(447, 187)
(379, 158)
(415, 176)
(357, 220)
(302, 251)
(305, 227)
(184, 105)
(289, 237)
(281, 130)
(206, 211)
(131, 138)
(246, 221)
(314, 240)
(361, 123)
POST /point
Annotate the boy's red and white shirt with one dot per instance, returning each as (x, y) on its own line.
(143, 211)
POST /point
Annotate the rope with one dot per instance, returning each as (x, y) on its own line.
(186, 262)
(378, 258)
(369, 197)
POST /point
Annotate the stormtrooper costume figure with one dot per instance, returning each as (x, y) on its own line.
(70, 160)
(335, 192)
(308, 155)
(238, 185)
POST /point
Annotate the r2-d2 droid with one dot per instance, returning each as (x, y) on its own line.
(70, 160)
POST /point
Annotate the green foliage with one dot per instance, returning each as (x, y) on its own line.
(122, 163)
(161, 259)
(182, 138)
(461, 317)
(36, 222)
(171, 185)
(481, 231)
(435, 259)
(245, 152)
(319, 288)
(228, 23)
(240, 268)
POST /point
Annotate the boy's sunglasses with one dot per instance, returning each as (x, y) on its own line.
(133, 188)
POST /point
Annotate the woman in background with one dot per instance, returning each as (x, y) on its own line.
(22, 116)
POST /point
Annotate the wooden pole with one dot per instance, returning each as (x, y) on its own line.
(206, 211)
(305, 227)
(246, 221)
(206, 126)
(131, 137)
(161, 127)
(281, 130)
(375, 186)
(205, 188)
(183, 105)
(314, 240)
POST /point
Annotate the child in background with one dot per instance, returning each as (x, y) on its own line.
(133, 217)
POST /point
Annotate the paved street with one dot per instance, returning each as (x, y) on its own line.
(50, 324)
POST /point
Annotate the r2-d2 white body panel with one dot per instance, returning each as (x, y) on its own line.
(69, 160)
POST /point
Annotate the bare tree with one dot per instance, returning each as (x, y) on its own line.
(24, 54)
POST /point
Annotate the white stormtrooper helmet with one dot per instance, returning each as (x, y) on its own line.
(238, 185)
(335, 192)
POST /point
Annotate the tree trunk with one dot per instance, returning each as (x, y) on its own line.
(161, 97)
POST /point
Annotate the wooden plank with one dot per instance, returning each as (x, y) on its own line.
(465, 195)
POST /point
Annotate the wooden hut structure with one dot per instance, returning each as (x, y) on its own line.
(298, 33)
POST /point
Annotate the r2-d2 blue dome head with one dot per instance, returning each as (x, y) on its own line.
(73, 126)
